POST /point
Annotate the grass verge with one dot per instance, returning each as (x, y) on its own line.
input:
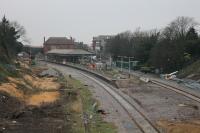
(96, 124)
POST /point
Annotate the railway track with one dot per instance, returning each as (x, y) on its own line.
(138, 117)
(172, 88)
(177, 90)
(132, 109)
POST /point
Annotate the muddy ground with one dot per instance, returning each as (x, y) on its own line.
(17, 118)
(31, 110)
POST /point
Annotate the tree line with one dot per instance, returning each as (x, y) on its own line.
(168, 49)
(11, 37)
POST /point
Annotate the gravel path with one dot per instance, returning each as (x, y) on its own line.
(160, 103)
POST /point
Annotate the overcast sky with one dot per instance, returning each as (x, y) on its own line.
(83, 19)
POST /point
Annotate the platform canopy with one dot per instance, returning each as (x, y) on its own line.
(70, 52)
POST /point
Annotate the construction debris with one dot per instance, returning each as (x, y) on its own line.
(188, 105)
(169, 76)
(144, 79)
(50, 73)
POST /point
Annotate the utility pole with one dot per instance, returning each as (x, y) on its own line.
(100, 56)
(121, 64)
(129, 65)
(30, 55)
(110, 61)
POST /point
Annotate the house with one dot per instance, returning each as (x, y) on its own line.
(58, 43)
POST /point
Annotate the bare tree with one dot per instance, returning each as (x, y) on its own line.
(179, 28)
(20, 32)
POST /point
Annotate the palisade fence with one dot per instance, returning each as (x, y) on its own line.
(125, 64)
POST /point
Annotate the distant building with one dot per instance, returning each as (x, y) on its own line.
(81, 45)
(99, 42)
(32, 50)
(58, 43)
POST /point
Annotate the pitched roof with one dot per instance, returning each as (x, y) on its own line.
(59, 40)
(69, 52)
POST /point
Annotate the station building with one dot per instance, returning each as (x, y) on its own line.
(68, 55)
(63, 50)
(58, 43)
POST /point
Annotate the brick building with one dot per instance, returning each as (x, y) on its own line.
(58, 43)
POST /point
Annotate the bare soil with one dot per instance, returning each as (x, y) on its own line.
(180, 127)
(27, 105)
(15, 117)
